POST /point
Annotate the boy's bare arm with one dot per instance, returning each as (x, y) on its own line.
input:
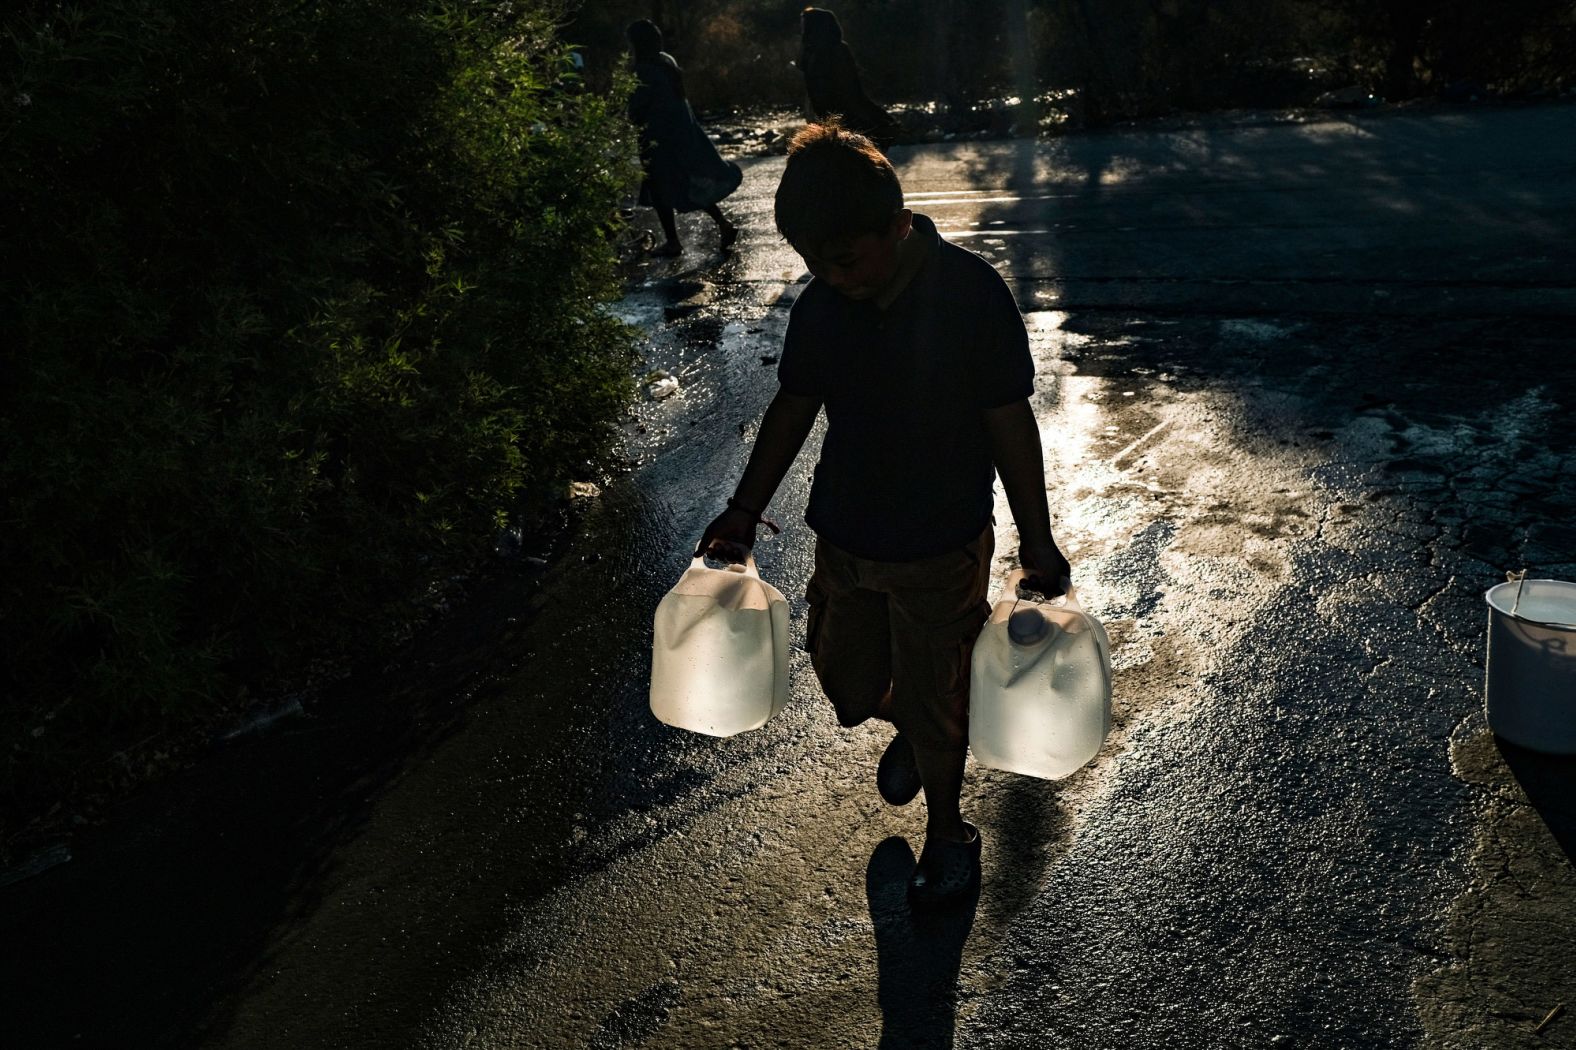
(786, 424)
(1015, 449)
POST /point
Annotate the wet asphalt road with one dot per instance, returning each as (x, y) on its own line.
(1305, 392)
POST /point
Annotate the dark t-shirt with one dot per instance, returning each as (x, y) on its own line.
(905, 470)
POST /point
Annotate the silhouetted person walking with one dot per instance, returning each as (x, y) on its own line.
(831, 77)
(683, 169)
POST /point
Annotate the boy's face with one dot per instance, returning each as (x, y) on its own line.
(860, 267)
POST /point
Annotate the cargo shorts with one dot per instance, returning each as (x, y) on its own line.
(905, 626)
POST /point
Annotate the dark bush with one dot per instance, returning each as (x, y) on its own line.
(299, 297)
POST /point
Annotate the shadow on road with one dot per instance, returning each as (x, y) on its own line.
(168, 910)
(918, 956)
(1334, 219)
(1028, 826)
(1550, 784)
(168, 906)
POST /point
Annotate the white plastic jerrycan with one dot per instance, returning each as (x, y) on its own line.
(1040, 685)
(719, 655)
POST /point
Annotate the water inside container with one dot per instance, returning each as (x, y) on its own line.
(720, 670)
(1042, 708)
(719, 657)
(1543, 601)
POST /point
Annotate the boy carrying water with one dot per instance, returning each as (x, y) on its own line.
(919, 355)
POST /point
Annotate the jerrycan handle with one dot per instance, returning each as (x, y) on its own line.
(746, 567)
(1016, 586)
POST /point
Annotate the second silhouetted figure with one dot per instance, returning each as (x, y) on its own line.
(831, 77)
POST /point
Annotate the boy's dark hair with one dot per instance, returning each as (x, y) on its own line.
(837, 185)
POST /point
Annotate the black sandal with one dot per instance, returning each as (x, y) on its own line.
(947, 871)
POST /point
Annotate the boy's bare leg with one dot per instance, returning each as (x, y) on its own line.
(941, 772)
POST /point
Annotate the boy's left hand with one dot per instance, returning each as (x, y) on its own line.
(1045, 568)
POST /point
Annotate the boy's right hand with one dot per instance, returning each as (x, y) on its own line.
(1045, 568)
(730, 537)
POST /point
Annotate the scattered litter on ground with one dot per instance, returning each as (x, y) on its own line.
(661, 384)
(1549, 1018)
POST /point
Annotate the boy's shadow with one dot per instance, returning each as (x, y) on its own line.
(918, 956)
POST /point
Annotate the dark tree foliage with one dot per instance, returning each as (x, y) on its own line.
(1512, 48)
(298, 298)
(1122, 58)
(1132, 58)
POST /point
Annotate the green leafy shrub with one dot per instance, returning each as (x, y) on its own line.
(298, 299)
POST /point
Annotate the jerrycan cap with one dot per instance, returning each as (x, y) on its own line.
(1028, 626)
